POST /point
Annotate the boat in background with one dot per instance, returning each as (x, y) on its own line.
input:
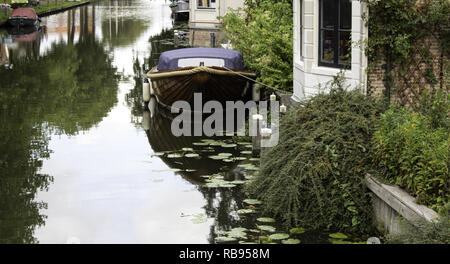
(23, 17)
(180, 10)
(218, 74)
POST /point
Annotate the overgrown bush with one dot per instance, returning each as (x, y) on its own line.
(314, 177)
(413, 151)
(262, 32)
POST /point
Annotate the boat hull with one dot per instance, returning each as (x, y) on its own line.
(214, 83)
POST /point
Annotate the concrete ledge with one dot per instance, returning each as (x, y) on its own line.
(392, 198)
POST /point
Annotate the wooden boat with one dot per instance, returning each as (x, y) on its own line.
(216, 73)
(23, 17)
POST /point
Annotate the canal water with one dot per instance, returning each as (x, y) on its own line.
(82, 161)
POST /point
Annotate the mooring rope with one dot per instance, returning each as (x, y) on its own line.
(253, 80)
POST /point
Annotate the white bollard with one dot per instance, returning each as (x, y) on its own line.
(146, 120)
(282, 108)
(273, 97)
(152, 106)
(146, 91)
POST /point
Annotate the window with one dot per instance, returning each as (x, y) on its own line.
(206, 3)
(334, 34)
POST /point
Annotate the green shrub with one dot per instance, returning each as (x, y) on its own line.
(264, 37)
(425, 232)
(314, 177)
(410, 152)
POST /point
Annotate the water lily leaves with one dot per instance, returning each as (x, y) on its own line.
(221, 232)
(174, 155)
(297, 231)
(339, 241)
(158, 180)
(246, 152)
(252, 201)
(200, 143)
(266, 228)
(245, 211)
(217, 157)
(247, 243)
(338, 235)
(240, 158)
(157, 154)
(225, 154)
(265, 220)
(198, 218)
(192, 155)
(225, 239)
(254, 159)
(228, 145)
(290, 241)
(278, 236)
(187, 149)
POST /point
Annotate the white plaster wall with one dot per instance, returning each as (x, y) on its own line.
(308, 76)
(202, 18)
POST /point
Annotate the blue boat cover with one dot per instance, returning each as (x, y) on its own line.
(169, 59)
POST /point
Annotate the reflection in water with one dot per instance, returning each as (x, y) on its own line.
(55, 92)
(98, 180)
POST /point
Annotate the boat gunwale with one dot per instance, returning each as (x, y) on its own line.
(153, 74)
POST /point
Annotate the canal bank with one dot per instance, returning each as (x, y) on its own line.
(46, 10)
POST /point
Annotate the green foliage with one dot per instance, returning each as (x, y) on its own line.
(264, 36)
(436, 106)
(414, 154)
(425, 232)
(314, 177)
(400, 24)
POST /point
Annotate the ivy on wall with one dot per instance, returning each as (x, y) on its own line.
(404, 33)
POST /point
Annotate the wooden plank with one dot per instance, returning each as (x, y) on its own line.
(401, 201)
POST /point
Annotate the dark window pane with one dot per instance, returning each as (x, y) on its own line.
(327, 47)
(344, 47)
(345, 14)
(204, 3)
(329, 14)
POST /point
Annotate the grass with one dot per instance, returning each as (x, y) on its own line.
(45, 6)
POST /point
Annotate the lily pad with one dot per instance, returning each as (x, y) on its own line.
(278, 236)
(158, 154)
(339, 241)
(265, 220)
(187, 149)
(225, 154)
(225, 239)
(266, 228)
(200, 143)
(217, 157)
(245, 211)
(338, 235)
(246, 152)
(174, 155)
(228, 145)
(192, 155)
(297, 231)
(290, 241)
(252, 201)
